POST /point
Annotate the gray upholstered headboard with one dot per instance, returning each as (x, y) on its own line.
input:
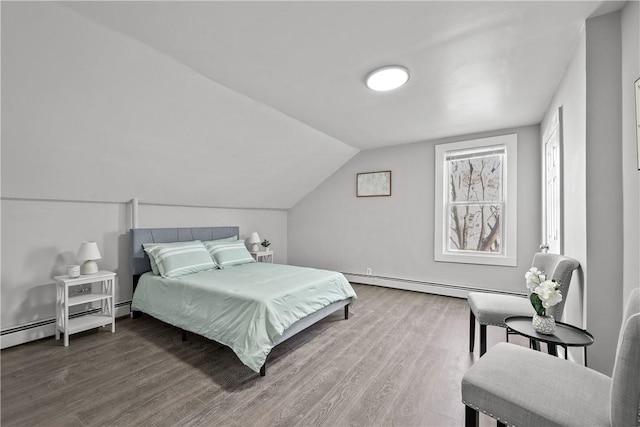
(140, 261)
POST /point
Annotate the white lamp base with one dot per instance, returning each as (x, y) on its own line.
(89, 267)
(255, 247)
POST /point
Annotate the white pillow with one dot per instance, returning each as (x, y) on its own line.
(179, 258)
(152, 261)
(226, 239)
(227, 254)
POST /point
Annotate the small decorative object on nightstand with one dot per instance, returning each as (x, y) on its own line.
(265, 244)
(73, 271)
(263, 256)
(89, 252)
(68, 294)
(254, 240)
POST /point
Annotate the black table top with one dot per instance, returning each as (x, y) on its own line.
(565, 334)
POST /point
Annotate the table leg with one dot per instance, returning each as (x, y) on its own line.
(58, 311)
(66, 316)
(552, 349)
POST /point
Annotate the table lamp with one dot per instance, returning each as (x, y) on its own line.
(89, 252)
(254, 240)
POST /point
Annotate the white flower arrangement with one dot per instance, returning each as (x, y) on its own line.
(544, 293)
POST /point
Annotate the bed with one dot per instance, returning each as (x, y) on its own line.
(250, 307)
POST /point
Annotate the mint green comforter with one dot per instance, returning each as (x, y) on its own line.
(246, 307)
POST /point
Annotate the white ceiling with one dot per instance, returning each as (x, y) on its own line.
(476, 66)
(255, 104)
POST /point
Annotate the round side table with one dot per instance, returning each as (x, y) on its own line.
(565, 335)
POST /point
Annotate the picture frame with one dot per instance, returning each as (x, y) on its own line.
(373, 184)
(637, 90)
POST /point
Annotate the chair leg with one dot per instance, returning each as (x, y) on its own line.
(472, 330)
(471, 417)
(483, 339)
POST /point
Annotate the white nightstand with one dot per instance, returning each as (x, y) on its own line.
(65, 298)
(263, 256)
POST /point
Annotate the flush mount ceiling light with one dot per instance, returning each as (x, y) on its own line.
(387, 78)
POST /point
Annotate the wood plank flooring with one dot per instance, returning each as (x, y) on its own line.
(398, 361)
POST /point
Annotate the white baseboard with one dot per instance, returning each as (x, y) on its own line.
(458, 291)
(31, 332)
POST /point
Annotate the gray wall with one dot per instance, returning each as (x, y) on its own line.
(630, 175)
(83, 105)
(92, 118)
(604, 187)
(75, 117)
(40, 238)
(601, 176)
(332, 228)
(571, 97)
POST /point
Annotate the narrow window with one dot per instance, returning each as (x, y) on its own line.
(476, 201)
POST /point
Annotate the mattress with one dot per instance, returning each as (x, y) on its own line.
(246, 307)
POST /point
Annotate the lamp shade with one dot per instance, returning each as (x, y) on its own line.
(89, 251)
(254, 239)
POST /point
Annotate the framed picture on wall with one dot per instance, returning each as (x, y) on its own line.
(637, 90)
(373, 184)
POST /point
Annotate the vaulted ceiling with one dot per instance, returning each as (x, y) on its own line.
(254, 104)
(475, 65)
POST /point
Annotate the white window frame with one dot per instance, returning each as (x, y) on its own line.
(509, 255)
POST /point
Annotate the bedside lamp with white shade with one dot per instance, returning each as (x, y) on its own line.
(89, 252)
(254, 240)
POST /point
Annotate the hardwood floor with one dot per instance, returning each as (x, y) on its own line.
(398, 360)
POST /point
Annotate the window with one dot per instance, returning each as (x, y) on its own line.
(476, 201)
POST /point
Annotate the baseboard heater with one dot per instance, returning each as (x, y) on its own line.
(459, 291)
(45, 328)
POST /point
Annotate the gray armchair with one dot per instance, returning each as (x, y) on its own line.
(491, 309)
(519, 386)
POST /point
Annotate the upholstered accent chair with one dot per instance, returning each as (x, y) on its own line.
(491, 309)
(522, 387)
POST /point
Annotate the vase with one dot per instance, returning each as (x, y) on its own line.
(545, 325)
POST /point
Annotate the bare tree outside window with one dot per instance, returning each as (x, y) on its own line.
(475, 200)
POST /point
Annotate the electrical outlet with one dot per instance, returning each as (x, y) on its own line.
(368, 271)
